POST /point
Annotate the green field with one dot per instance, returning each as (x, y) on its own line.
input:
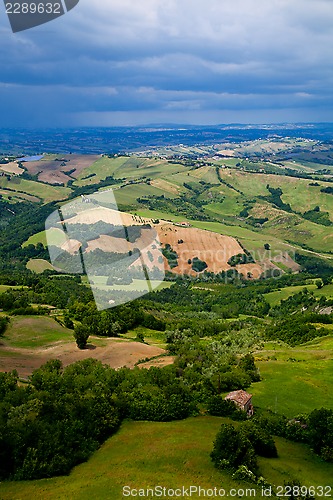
(295, 380)
(39, 265)
(29, 332)
(127, 167)
(152, 337)
(55, 235)
(137, 284)
(222, 201)
(36, 238)
(102, 168)
(4, 288)
(326, 291)
(44, 192)
(129, 194)
(172, 454)
(274, 298)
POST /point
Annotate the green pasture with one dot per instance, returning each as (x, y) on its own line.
(55, 236)
(36, 238)
(136, 167)
(39, 265)
(151, 337)
(129, 168)
(45, 192)
(4, 288)
(297, 192)
(188, 177)
(29, 332)
(274, 298)
(137, 284)
(102, 168)
(252, 185)
(326, 291)
(294, 380)
(207, 174)
(229, 207)
(229, 162)
(128, 195)
(170, 454)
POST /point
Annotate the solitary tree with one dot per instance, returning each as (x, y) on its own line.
(81, 335)
(319, 284)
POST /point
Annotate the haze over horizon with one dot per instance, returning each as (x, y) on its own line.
(119, 63)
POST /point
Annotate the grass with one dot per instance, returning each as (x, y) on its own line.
(55, 236)
(295, 380)
(151, 337)
(326, 291)
(39, 265)
(4, 288)
(170, 454)
(137, 284)
(274, 298)
(36, 238)
(42, 191)
(102, 168)
(129, 194)
(29, 332)
(129, 168)
(297, 192)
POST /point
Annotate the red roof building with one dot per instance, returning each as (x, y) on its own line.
(242, 399)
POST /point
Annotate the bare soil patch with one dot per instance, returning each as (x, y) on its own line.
(12, 168)
(116, 353)
(54, 169)
(189, 242)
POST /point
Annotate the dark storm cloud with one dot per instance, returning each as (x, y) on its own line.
(130, 62)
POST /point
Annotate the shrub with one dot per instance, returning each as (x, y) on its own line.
(81, 335)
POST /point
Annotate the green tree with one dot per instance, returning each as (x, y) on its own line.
(68, 322)
(81, 335)
(4, 321)
(140, 337)
(232, 449)
(319, 284)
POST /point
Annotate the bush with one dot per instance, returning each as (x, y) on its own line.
(232, 449)
(260, 439)
(198, 265)
(81, 335)
(4, 321)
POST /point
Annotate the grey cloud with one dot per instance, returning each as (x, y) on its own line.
(194, 56)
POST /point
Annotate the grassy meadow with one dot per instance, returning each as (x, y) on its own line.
(171, 454)
(295, 379)
(42, 191)
(29, 332)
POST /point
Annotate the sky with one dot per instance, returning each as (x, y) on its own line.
(130, 62)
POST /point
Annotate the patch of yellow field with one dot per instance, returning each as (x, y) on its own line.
(12, 168)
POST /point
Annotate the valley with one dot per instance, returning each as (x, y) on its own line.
(240, 231)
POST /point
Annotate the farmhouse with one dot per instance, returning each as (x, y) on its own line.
(242, 399)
